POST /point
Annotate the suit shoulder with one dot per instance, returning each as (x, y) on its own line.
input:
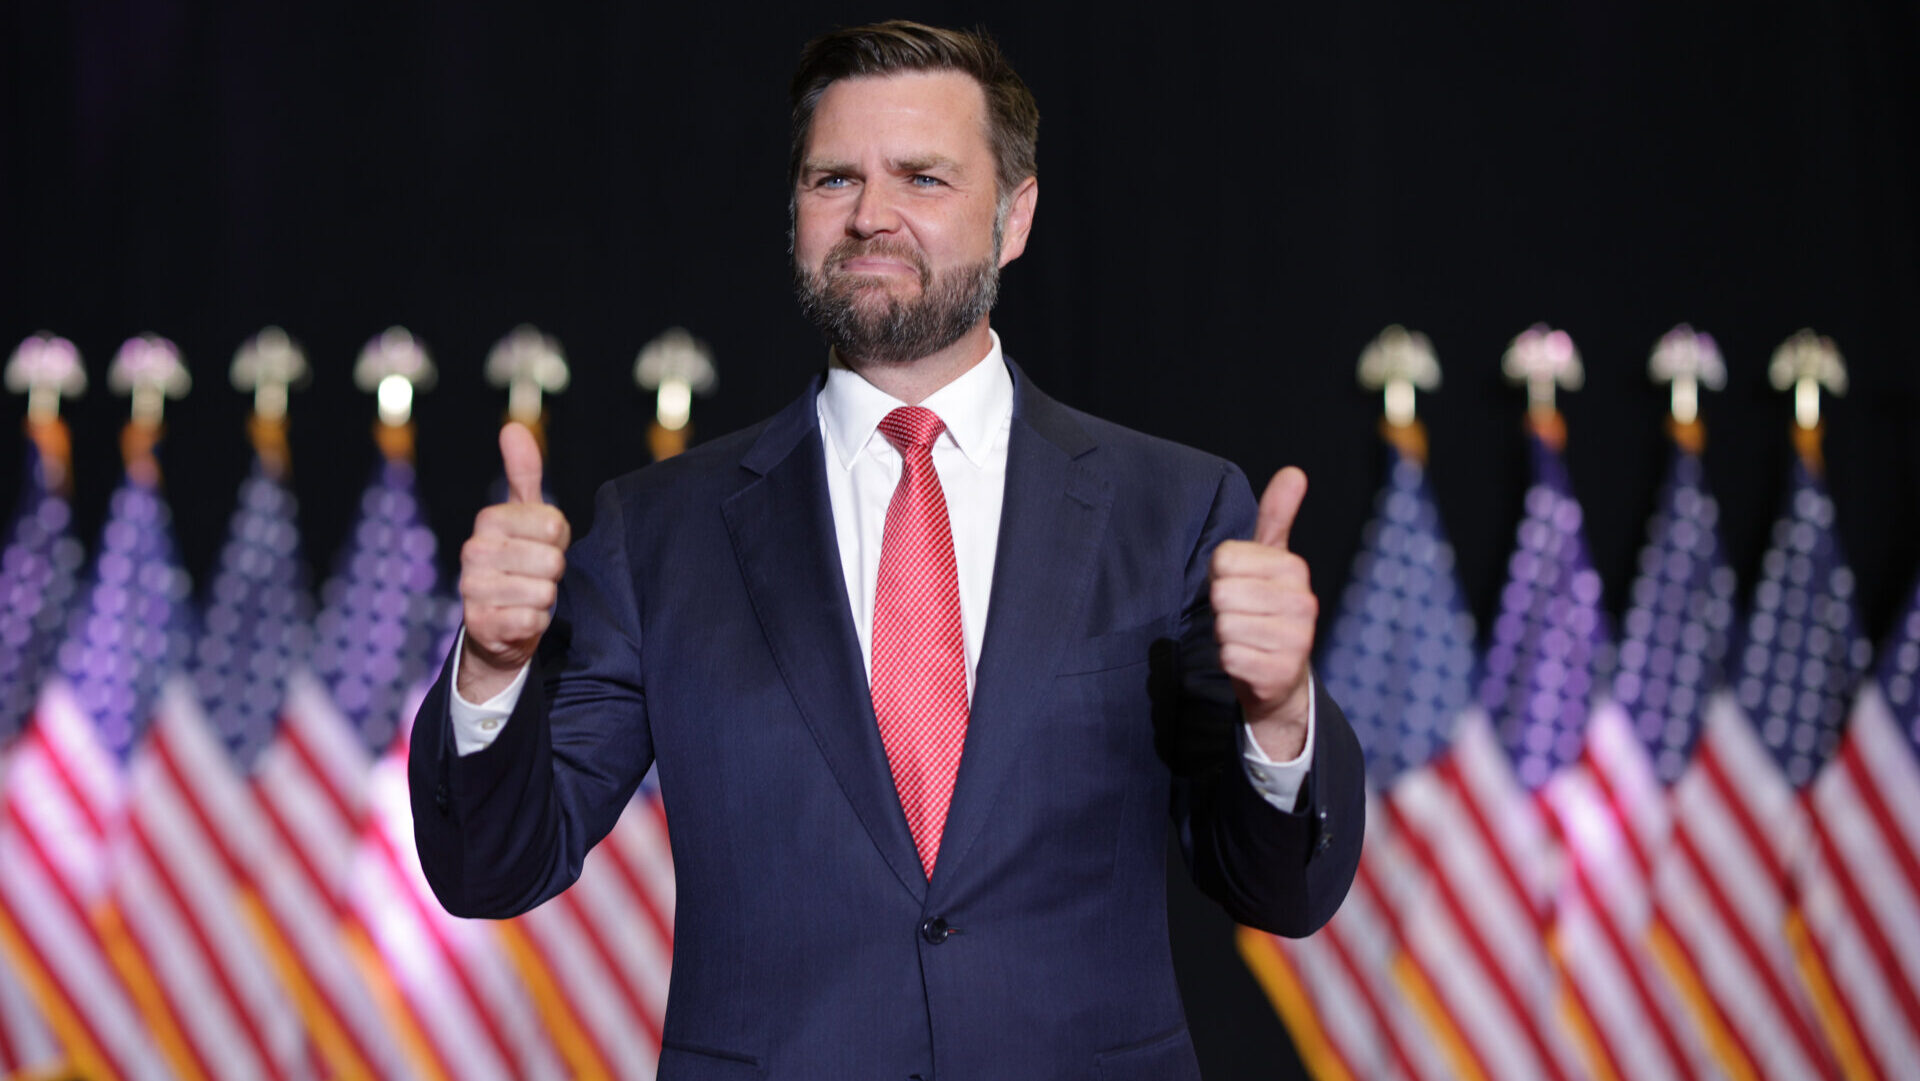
(700, 470)
(1127, 451)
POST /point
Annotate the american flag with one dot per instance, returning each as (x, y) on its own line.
(1612, 804)
(39, 567)
(1477, 934)
(258, 631)
(39, 571)
(211, 997)
(463, 1010)
(65, 792)
(1400, 662)
(1859, 888)
(1723, 890)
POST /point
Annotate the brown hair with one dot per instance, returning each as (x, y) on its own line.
(1013, 118)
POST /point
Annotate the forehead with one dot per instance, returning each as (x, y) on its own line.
(913, 112)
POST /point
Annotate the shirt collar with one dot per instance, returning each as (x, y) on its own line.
(972, 407)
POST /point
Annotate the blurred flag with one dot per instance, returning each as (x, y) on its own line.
(1859, 888)
(1612, 805)
(1477, 932)
(1400, 662)
(606, 945)
(38, 569)
(212, 1001)
(65, 793)
(1722, 890)
(258, 634)
(382, 629)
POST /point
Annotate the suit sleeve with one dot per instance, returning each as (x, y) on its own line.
(1278, 871)
(507, 827)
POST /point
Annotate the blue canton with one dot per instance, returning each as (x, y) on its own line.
(1803, 652)
(135, 626)
(1549, 638)
(1900, 671)
(1675, 639)
(381, 618)
(257, 618)
(39, 570)
(1400, 659)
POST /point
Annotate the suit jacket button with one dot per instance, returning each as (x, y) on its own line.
(440, 798)
(935, 930)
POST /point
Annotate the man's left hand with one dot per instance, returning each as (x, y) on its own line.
(1264, 613)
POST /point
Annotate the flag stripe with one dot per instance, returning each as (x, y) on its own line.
(174, 968)
(459, 968)
(1270, 966)
(182, 871)
(1640, 1008)
(1742, 922)
(1836, 1021)
(72, 1032)
(52, 916)
(578, 1045)
(1486, 970)
(1862, 921)
(1870, 788)
(298, 971)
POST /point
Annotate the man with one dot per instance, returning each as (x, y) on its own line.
(923, 661)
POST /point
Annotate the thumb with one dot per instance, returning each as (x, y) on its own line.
(521, 455)
(1279, 506)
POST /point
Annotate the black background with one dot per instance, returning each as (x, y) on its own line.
(1234, 200)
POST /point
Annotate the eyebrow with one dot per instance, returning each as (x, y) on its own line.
(924, 164)
(920, 164)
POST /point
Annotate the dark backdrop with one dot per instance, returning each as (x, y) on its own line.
(1235, 200)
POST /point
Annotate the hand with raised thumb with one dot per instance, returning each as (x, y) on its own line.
(510, 573)
(1264, 615)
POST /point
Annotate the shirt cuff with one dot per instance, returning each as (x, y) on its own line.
(475, 727)
(1278, 782)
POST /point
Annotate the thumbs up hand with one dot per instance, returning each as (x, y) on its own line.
(509, 573)
(1264, 613)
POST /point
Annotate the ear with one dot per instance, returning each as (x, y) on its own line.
(1013, 240)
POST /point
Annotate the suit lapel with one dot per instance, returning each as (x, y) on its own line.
(782, 530)
(1051, 522)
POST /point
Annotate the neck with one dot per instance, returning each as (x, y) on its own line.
(913, 381)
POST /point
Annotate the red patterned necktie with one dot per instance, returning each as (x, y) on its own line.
(919, 654)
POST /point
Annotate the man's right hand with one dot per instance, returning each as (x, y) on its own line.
(509, 573)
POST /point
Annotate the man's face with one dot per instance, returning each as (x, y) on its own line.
(897, 237)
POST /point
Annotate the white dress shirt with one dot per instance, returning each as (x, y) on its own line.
(863, 469)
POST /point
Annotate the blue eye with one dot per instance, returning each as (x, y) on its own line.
(924, 181)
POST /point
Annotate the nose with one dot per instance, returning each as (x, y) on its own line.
(874, 213)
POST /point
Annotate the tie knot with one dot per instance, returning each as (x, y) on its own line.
(910, 426)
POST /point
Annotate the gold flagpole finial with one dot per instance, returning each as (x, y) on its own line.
(1544, 359)
(1687, 360)
(47, 368)
(268, 364)
(1808, 363)
(1399, 362)
(529, 364)
(676, 366)
(147, 369)
(391, 368)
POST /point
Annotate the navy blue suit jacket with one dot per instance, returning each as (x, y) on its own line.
(703, 627)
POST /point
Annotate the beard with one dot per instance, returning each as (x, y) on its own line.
(865, 324)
